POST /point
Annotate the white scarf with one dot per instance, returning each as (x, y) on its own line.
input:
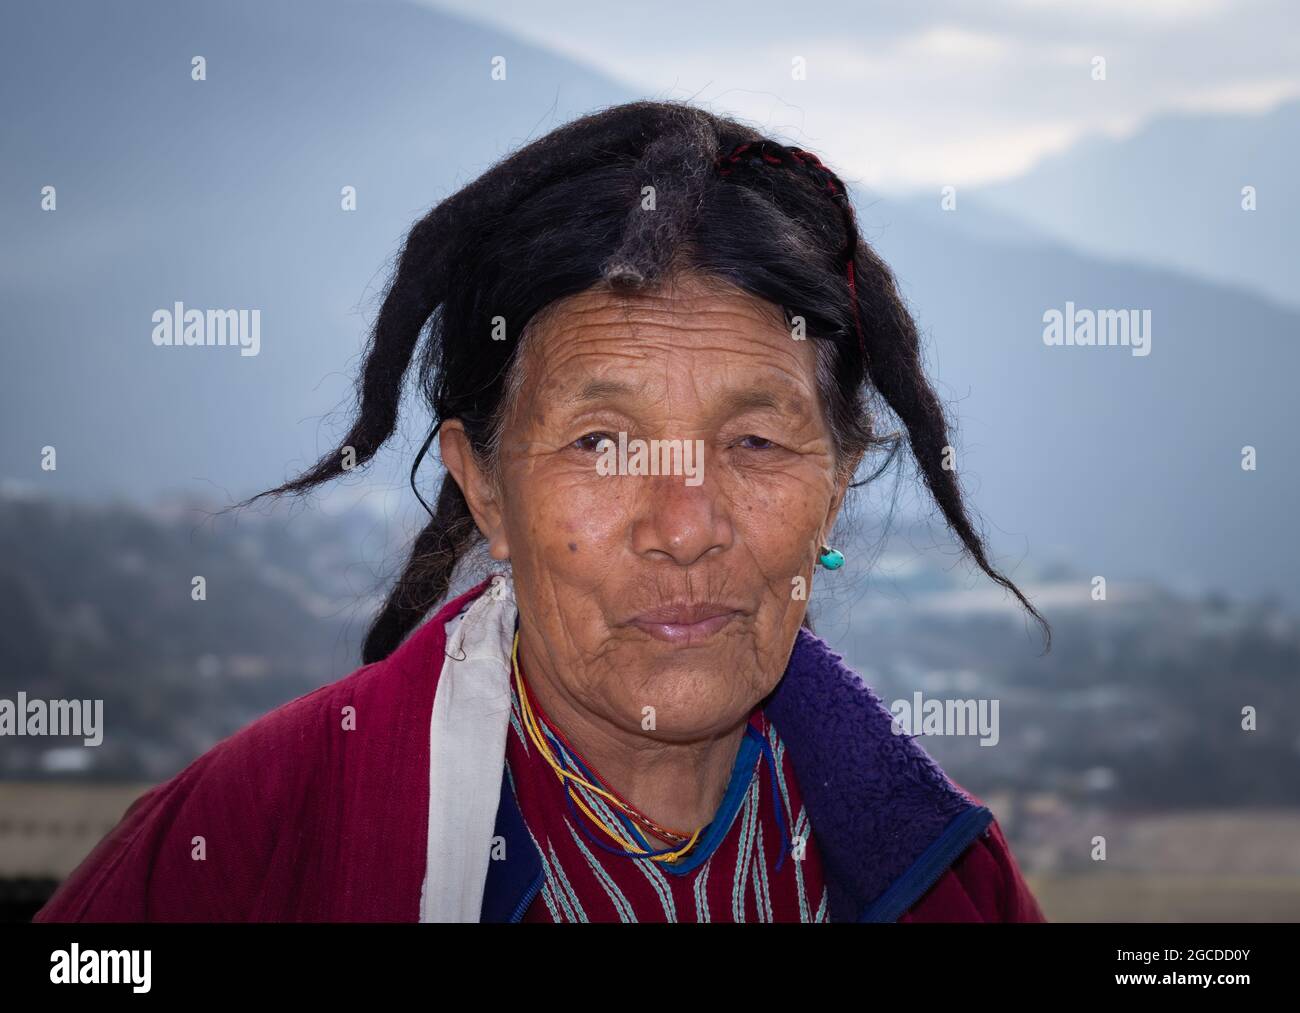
(467, 747)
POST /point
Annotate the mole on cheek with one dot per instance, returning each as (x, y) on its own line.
(573, 546)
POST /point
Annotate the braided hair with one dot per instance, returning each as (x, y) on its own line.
(566, 213)
(770, 153)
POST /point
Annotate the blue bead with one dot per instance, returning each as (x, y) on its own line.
(832, 559)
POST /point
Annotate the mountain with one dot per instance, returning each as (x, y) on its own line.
(1171, 195)
(1124, 465)
(225, 193)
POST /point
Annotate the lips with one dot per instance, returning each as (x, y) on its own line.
(686, 624)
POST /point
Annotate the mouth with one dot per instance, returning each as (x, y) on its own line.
(685, 625)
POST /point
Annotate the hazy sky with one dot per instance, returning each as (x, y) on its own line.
(922, 94)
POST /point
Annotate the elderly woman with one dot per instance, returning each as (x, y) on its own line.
(656, 352)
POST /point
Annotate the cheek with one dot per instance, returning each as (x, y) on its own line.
(570, 527)
(780, 518)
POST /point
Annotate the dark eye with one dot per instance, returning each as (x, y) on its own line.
(756, 443)
(593, 442)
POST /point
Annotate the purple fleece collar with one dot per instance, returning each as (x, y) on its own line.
(877, 802)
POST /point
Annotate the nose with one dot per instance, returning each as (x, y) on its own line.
(681, 522)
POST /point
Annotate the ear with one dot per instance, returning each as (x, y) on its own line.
(479, 491)
(837, 499)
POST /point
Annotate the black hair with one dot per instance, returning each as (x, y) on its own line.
(566, 213)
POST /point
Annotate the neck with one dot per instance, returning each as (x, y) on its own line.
(679, 785)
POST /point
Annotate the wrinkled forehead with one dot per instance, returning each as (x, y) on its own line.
(694, 339)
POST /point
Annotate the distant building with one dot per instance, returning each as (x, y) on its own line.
(46, 829)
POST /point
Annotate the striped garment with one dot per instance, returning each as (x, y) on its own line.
(731, 875)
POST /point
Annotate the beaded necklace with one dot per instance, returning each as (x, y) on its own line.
(537, 725)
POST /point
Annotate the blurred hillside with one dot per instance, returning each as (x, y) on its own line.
(1138, 703)
(95, 603)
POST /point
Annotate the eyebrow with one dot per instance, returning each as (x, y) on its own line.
(732, 403)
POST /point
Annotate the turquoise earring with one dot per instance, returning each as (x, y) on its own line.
(830, 558)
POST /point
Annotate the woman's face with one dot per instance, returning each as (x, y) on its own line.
(677, 592)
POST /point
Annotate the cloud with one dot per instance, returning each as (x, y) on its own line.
(901, 96)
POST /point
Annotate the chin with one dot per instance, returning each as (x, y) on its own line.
(689, 704)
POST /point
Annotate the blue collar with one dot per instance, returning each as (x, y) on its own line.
(886, 820)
